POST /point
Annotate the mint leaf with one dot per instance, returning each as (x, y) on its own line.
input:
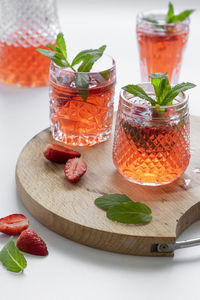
(136, 90)
(130, 213)
(82, 82)
(109, 200)
(170, 14)
(52, 47)
(182, 16)
(81, 56)
(150, 20)
(89, 58)
(47, 53)
(12, 258)
(60, 42)
(161, 86)
(105, 74)
(171, 18)
(181, 87)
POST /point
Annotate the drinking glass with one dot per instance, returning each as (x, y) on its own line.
(24, 26)
(82, 116)
(151, 144)
(161, 46)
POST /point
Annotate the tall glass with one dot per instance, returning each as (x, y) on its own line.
(161, 46)
(24, 26)
(82, 116)
(151, 144)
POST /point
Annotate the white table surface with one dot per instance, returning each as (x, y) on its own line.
(72, 271)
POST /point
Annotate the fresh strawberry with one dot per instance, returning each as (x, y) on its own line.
(59, 154)
(30, 242)
(75, 168)
(13, 224)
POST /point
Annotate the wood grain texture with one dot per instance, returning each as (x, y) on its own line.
(69, 209)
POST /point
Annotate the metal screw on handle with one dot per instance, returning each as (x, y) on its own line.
(165, 248)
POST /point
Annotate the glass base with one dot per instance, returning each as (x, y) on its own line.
(148, 183)
(81, 140)
(130, 179)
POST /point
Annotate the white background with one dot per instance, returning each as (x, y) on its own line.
(73, 271)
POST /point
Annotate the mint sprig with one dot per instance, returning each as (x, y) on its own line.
(12, 258)
(122, 209)
(173, 19)
(165, 94)
(85, 59)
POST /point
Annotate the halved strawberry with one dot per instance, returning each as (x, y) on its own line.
(13, 224)
(30, 242)
(59, 154)
(75, 168)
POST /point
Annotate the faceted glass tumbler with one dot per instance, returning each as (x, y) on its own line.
(82, 116)
(161, 46)
(151, 144)
(24, 26)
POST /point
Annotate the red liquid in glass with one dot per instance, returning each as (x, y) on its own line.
(80, 123)
(161, 52)
(23, 66)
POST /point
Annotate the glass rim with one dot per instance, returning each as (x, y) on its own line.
(183, 95)
(141, 15)
(67, 69)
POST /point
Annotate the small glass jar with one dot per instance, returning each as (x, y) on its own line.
(82, 116)
(161, 45)
(151, 144)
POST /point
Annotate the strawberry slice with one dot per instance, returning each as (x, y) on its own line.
(59, 154)
(30, 242)
(13, 224)
(75, 168)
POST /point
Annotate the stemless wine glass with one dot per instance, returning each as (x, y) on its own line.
(151, 144)
(82, 116)
(161, 45)
(24, 26)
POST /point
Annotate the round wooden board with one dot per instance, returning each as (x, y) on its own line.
(69, 209)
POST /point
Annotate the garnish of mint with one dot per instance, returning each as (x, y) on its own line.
(164, 93)
(11, 258)
(121, 208)
(173, 19)
(85, 61)
(170, 17)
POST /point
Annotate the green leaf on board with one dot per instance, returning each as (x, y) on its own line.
(130, 213)
(11, 258)
(109, 200)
